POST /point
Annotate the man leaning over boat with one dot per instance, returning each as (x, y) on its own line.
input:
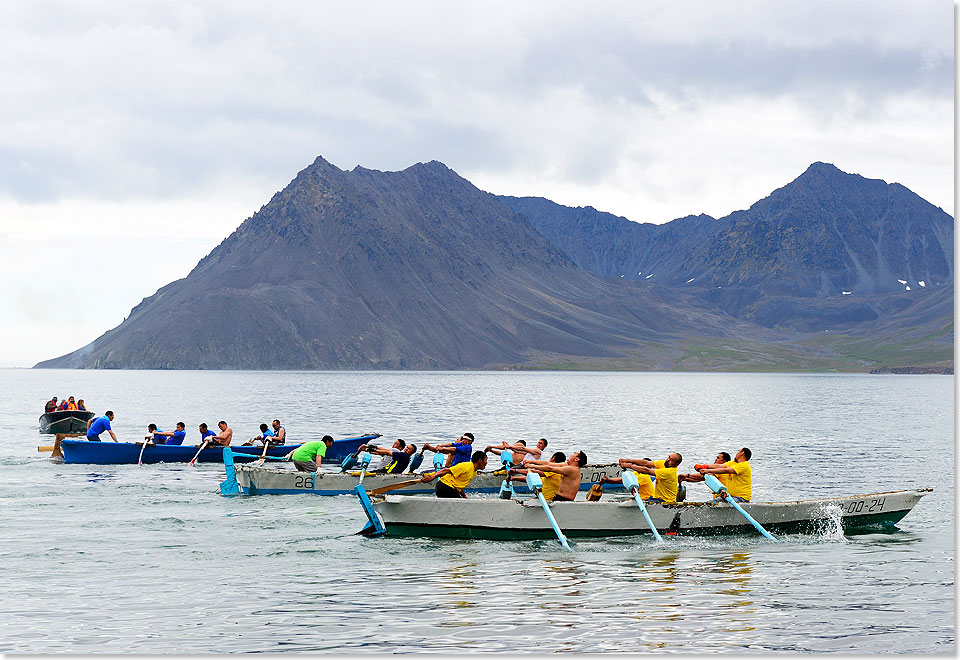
(454, 480)
(569, 472)
(551, 480)
(307, 457)
(99, 425)
(664, 472)
(739, 476)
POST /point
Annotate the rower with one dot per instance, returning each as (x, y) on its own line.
(721, 460)
(665, 473)
(398, 459)
(279, 433)
(307, 457)
(171, 437)
(569, 472)
(644, 483)
(739, 483)
(205, 432)
(455, 479)
(459, 451)
(99, 425)
(551, 480)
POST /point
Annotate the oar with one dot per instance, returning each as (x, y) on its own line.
(535, 484)
(506, 488)
(140, 460)
(714, 484)
(263, 456)
(416, 460)
(630, 483)
(202, 447)
(365, 459)
(230, 485)
(399, 484)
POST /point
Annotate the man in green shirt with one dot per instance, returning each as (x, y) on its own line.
(307, 456)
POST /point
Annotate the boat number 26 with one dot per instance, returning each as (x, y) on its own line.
(866, 506)
(304, 481)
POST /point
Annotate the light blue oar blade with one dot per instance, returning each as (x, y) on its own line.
(229, 486)
(716, 486)
(632, 484)
(553, 521)
(374, 526)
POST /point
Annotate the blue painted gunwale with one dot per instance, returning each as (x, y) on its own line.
(126, 453)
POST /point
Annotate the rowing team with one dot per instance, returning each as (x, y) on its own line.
(659, 481)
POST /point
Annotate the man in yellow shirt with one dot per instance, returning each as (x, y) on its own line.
(645, 482)
(739, 475)
(455, 479)
(551, 480)
(721, 460)
(665, 472)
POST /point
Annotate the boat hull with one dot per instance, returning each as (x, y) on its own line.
(65, 421)
(120, 453)
(519, 520)
(273, 481)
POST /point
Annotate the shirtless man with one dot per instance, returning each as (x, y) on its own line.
(569, 474)
(519, 448)
(224, 437)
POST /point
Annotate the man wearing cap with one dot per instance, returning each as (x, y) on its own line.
(99, 425)
(51, 405)
(459, 451)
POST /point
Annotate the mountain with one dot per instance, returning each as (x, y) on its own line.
(363, 270)
(419, 269)
(827, 234)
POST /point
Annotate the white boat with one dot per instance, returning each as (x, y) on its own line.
(518, 519)
(254, 480)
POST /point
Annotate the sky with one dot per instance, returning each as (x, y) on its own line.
(134, 137)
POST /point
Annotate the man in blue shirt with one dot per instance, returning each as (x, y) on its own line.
(459, 451)
(174, 437)
(99, 425)
(205, 432)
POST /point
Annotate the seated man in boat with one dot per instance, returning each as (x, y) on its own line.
(71, 404)
(646, 489)
(265, 435)
(519, 448)
(152, 429)
(279, 433)
(665, 473)
(399, 458)
(454, 480)
(205, 432)
(308, 456)
(551, 480)
(569, 472)
(172, 437)
(398, 445)
(51, 405)
(460, 451)
(223, 438)
(722, 459)
(99, 425)
(739, 482)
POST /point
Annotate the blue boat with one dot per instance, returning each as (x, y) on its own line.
(120, 453)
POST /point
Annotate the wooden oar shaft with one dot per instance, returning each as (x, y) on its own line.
(400, 484)
(197, 455)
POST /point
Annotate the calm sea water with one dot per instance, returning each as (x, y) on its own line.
(114, 559)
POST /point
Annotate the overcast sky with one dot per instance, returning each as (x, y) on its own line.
(135, 136)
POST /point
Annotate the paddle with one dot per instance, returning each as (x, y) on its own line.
(399, 484)
(140, 459)
(630, 483)
(263, 456)
(365, 459)
(230, 485)
(535, 484)
(439, 459)
(506, 488)
(202, 447)
(714, 484)
(416, 460)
